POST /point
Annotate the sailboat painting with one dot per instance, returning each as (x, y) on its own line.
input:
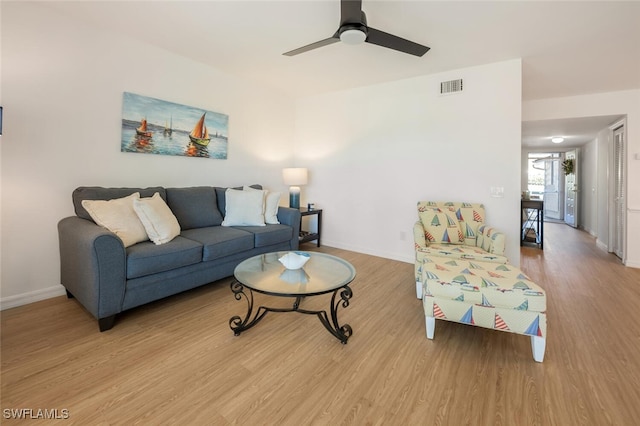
(154, 126)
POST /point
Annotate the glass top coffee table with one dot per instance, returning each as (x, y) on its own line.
(321, 274)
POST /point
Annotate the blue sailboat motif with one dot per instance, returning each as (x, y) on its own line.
(460, 279)
(431, 275)
(487, 283)
(524, 306)
(485, 302)
(534, 328)
(523, 277)
(467, 318)
(469, 231)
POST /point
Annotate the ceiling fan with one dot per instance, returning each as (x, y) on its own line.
(354, 30)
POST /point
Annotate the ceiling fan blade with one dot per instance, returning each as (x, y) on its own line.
(312, 46)
(394, 42)
(350, 12)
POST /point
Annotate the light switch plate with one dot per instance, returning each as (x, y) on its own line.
(497, 191)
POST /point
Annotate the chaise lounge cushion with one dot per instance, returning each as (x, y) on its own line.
(460, 252)
(440, 226)
(482, 283)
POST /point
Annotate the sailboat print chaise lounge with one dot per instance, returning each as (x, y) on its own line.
(463, 276)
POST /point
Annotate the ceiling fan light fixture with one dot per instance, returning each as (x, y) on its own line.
(353, 36)
(557, 139)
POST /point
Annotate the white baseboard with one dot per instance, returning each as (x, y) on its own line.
(30, 297)
(602, 246)
(364, 250)
(632, 263)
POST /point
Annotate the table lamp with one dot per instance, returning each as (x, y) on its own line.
(294, 177)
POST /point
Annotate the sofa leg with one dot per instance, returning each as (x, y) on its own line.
(106, 323)
(538, 345)
(431, 326)
(419, 290)
(69, 295)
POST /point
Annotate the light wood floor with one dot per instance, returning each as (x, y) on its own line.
(177, 362)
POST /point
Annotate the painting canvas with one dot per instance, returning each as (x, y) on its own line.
(153, 126)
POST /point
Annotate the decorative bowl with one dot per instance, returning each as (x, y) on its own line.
(294, 260)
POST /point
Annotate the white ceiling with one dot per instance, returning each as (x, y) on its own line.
(576, 132)
(567, 48)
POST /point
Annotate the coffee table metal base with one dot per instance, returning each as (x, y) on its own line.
(339, 298)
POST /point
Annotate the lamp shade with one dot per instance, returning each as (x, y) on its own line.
(295, 176)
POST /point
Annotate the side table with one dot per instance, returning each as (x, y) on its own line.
(306, 236)
(532, 218)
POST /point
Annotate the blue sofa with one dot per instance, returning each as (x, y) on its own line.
(107, 278)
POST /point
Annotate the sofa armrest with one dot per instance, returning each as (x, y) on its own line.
(92, 265)
(491, 240)
(418, 235)
(291, 217)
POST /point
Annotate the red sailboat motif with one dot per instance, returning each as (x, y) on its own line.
(200, 134)
(142, 130)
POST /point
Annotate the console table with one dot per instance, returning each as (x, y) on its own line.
(532, 217)
(306, 236)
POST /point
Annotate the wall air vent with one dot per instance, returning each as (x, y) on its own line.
(452, 86)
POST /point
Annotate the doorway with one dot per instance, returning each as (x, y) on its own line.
(619, 200)
(546, 183)
(572, 199)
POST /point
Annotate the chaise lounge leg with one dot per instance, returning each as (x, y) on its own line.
(106, 323)
(538, 345)
(431, 326)
(418, 289)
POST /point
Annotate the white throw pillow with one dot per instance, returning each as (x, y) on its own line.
(244, 208)
(271, 203)
(119, 217)
(158, 219)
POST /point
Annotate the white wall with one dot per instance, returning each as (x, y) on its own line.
(373, 152)
(62, 95)
(612, 103)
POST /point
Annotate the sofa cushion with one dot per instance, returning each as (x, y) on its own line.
(244, 208)
(147, 258)
(118, 216)
(194, 207)
(441, 226)
(220, 241)
(222, 200)
(158, 220)
(271, 204)
(100, 193)
(269, 235)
